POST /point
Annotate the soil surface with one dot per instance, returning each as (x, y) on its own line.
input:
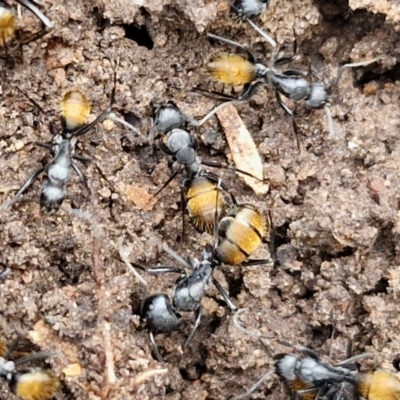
(334, 203)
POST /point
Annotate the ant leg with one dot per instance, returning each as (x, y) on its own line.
(222, 166)
(174, 255)
(295, 72)
(79, 173)
(215, 179)
(225, 40)
(163, 270)
(355, 358)
(183, 206)
(164, 148)
(155, 348)
(82, 159)
(81, 131)
(249, 89)
(169, 180)
(291, 114)
(5, 274)
(305, 350)
(331, 127)
(37, 12)
(216, 216)
(260, 261)
(225, 295)
(24, 187)
(45, 145)
(272, 238)
(36, 104)
(268, 38)
(254, 387)
(287, 60)
(124, 254)
(296, 133)
(361, 63)
(283, 105)
(37, 356)
(196, 325)
(212, 95)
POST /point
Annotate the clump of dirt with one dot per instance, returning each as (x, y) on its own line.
(334, 203)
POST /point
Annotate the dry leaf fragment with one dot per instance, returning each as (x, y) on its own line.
(72, 370)
(244, 151)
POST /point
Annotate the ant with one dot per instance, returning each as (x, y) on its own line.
(29, 383)
(310, 379)
(235, 70)
(74, 111)
(8, 20)
(160, 315)
(201, 193)
(236, 237)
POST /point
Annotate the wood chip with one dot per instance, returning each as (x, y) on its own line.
(140, 197)
(150, 373)
(244, 151)
(72, 370)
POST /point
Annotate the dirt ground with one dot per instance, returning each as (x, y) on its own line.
(335, 203)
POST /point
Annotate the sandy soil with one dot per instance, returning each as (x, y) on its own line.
(335, 204)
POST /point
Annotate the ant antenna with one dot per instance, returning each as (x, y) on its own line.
(113, 117)
(328, 113)
(354, 65)
(216, 109)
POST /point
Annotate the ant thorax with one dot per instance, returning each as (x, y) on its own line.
(181, 145)
(167, 118)
(293, 87)
(191, 289)
(60, 169)
(314, 372)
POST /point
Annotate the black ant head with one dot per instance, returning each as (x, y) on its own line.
(157, 312)
(167, 117)
(318, 97)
